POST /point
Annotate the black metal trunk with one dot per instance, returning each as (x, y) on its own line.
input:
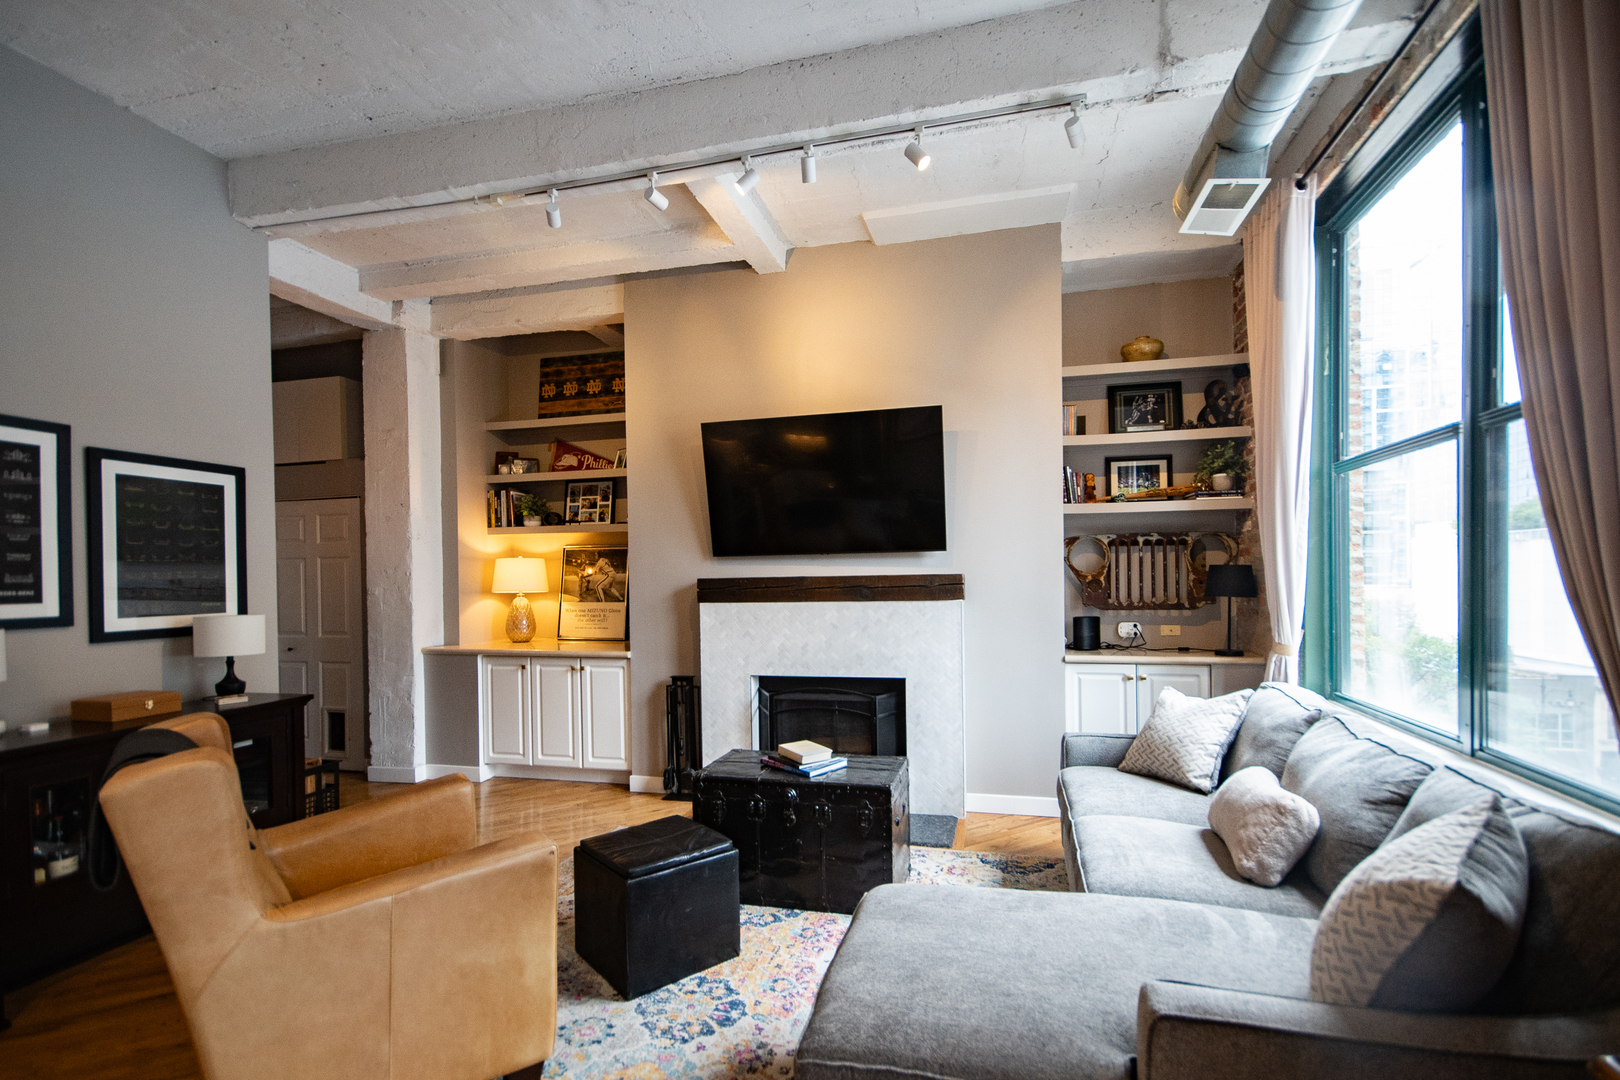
(817, 845)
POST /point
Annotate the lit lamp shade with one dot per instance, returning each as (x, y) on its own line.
(1231, 579)
(227, 635)
(520, 575)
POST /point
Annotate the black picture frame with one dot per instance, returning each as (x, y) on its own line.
(1144, 407)
(36, 523)
(1162, 462)
(183, 505)
(599, 611)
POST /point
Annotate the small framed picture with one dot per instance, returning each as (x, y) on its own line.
(1144, 407)
(589, 503)
(505, 457)
(594, 603)
(36, 544)
(619, 460)
(1129, 475)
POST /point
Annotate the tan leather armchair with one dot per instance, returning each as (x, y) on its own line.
(379, 941)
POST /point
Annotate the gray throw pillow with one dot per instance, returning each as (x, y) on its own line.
(1429, 921)
(1279, 714)
(1359, 786)
(1185, 738)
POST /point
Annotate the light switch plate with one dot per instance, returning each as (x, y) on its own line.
(1170, 629)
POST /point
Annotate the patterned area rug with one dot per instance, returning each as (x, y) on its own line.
(743, 1017)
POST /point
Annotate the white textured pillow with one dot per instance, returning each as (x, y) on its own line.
(1266, 827)
(1186, 737)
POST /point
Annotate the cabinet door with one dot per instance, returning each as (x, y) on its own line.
(1190, 679)
(604, 706)
(506, 710)
(556, 712)
(1101, 698)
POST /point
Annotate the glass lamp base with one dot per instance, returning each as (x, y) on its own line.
(520, 620)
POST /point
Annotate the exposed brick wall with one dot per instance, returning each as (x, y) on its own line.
(1240, 312)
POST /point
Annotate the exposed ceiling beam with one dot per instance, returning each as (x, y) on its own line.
(745, 221)
(305, 276)
(590, 308)
(611, 336)
(978, 213)
(293, 326)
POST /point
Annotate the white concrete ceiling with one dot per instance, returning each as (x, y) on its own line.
(444, 103)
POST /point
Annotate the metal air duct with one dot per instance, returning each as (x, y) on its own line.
(1227, 175)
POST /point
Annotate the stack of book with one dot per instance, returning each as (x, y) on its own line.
(1071, 486)
(803, 758)
(1074, 419)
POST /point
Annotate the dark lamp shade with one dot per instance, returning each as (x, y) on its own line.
(1231, 579)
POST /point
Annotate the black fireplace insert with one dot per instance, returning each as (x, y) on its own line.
(852, 716)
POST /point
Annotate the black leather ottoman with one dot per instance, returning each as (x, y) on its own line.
(655, 903)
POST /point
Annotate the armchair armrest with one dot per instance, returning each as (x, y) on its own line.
(1105, 750)
(425, 822)
(1186, 1031)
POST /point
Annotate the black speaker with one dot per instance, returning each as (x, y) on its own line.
(1087, 632)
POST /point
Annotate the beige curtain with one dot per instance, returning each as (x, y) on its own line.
(1552, 74)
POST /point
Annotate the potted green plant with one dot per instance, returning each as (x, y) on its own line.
(1222, 467)
(531, 508)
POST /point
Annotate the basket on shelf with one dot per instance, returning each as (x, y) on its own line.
(320, 786)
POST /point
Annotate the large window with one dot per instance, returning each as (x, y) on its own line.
(1446, 611)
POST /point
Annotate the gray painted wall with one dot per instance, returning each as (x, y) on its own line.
(135, 309)
(972, 323)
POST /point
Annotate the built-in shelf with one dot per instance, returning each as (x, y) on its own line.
(1159, 506)
(1137, 438)
(532, 477)
(621, 527)
(1154, 367)
(582, 420)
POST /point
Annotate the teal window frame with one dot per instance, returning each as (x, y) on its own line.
(1481, 618)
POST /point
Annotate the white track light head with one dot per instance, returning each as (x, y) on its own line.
(553, 211)
(659, 200)
(917, 155)
(1072, 128)
(750, 177)
(807, 165)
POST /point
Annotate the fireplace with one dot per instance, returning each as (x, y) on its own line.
(851, 716)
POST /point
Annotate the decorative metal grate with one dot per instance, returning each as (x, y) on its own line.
(1145, 571)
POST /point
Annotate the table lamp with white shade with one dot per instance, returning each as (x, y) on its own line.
(229, 636)
(519, 575)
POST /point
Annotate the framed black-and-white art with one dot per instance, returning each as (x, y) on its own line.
(167, 540)
(1144, 407)
(595, 600)
(36, 524)
(1127, 476)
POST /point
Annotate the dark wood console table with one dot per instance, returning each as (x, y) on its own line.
(50, 916)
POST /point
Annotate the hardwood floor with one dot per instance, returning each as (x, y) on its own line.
(116, 1017)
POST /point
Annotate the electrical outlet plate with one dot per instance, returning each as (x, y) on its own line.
(1170, 629)
(1128, 630)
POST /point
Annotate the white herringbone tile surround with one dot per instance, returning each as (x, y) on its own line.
(919, 641)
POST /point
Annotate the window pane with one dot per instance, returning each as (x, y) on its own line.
(1545, 705)
(1401, 621)
(1405, 312)
(1510, 359)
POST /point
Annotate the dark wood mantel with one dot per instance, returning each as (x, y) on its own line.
(799, 590)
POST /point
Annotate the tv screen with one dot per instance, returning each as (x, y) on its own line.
(828, 484)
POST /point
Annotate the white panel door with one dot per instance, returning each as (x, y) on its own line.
(506, 709)
(1101, 698)
(320, 586)
(1151, 679)
(605, 710)
(556, 712)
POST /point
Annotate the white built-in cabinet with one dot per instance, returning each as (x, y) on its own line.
(570, 712)
(1116, 699)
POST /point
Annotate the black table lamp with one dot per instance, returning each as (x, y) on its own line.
(1230, 580)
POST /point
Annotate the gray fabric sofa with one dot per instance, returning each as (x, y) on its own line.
(1163, 963)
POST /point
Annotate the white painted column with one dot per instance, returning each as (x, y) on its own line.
(404, 543)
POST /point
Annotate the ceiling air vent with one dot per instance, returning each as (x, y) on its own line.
(1222, 205)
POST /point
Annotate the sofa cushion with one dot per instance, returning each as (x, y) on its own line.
(937, 981)
(1126, 856)
(1089, 789)
(1267, 829)
(1358, 785)
(1278, 714)
(1186, 738)
(1428, 922)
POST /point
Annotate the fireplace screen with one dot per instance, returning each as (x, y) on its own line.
(852, 716)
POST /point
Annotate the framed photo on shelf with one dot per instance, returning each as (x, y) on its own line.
(167, 539)
(619, 460)
(595, 601)
(505, 457)
(36, 540)
(1144, 407)
(589, 503)
(1128, 475)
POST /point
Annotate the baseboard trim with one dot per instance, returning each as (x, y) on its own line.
(383, 774)
(647, 785)
(477, 774)
(1024, 805)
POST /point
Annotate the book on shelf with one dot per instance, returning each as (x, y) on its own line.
(1071, 485)
(1074, 418)
(820, 768)
(804, 752)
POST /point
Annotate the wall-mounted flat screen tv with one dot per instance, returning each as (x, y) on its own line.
(828, 484)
